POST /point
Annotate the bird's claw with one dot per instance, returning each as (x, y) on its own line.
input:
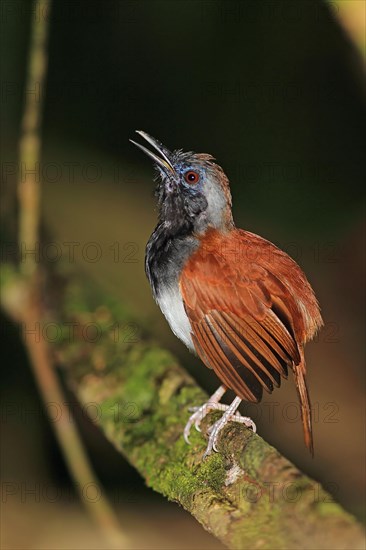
(214, 430)
(197, 425)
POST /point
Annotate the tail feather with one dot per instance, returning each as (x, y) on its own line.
(299, 373)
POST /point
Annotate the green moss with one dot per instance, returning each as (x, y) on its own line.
(169, 386)
(9, 275)
(329, 508)
(212, 471)
(255, 451)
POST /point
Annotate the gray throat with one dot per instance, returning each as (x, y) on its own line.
(166, 256)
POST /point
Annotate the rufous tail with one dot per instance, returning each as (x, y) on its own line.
(299, 372)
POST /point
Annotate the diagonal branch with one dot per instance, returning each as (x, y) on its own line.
(248, 496)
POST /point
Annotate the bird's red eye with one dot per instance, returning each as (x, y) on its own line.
(191, 177)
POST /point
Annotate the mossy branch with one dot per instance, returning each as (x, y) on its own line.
(248, 495)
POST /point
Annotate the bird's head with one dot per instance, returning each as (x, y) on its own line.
(193, 191)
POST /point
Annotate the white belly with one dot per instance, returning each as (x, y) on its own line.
(171, 304)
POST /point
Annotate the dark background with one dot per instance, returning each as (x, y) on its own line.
(275, 91)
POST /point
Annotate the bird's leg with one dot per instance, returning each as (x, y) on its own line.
(229, 414)
(201, 412)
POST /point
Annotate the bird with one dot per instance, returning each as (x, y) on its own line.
(237, 301)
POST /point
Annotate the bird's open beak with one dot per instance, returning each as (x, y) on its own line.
(164, 160)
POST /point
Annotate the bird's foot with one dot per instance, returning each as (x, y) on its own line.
(199, 414)
(230, 414)
(216, 428)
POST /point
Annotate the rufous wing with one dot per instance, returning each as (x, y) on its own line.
(248, 321)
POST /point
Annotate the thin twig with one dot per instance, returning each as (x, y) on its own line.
(30, 140)
(29, 192)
